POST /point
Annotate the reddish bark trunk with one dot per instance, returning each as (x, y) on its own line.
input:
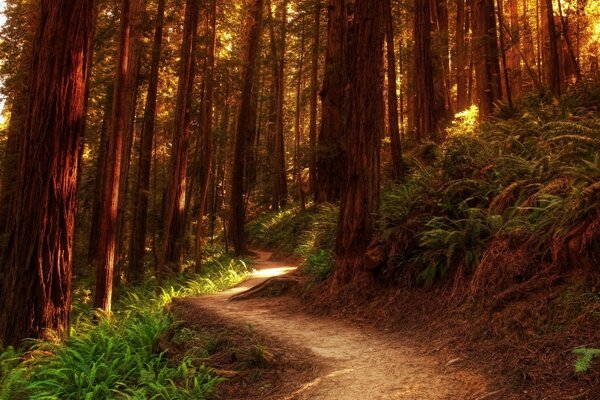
(314, 94)
(365, 130)
(330, 152)
(173, 227)
(35, 280)
(140, 218)
(207, 145)
(397, 165)
(251, 41)
(485, 54)
(426, 117)
(123, 109)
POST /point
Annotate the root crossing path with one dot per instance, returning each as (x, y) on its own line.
(356, 363)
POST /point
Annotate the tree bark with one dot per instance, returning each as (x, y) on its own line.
(485, 54)
(207, 116)
(330, 151)
(426, 118)
(121, 123)
(360, 198)
(35, 280)
(142, 186)
(173, 229)
(314, 94)
(397, 165)
(461, 56)
(252, 24)
(554, 77)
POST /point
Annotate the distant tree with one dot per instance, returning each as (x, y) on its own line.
(314, 94)
(142, 187)
(485, 55)
(330, 150)
(118, 140)
(252, 26)
(36, 270)
(426, 117)
(174, 207)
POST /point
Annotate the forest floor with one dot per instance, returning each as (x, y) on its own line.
(324, 357)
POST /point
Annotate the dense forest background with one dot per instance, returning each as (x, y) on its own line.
(446, 149)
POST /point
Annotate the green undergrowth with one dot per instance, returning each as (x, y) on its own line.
(118, 356)
(308, 233)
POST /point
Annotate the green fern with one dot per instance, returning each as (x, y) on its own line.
(585, 358)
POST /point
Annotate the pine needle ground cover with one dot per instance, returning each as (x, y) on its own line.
(119, 356)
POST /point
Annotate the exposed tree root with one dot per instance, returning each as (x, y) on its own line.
(272, 287)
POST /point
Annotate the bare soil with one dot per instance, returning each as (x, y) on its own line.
(324, 357)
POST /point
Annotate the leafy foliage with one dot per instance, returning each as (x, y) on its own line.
(585, 358)
(117, 356)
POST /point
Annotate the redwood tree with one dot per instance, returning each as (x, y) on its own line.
(330, 151)
(360, 197)
(485, 53)
(174, 221)
(397, 166)
(121, 122)
(252, 28)
(142, 187)
(425, 110)
(314, 93)
(35, 280)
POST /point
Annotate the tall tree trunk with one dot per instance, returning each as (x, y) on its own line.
(142, 187)
(123, 110)
(297, 130)
(251, 42)
(441, 62)
(360, 198)
(426, 118)
(514, 49)
(554, 76)
(485, 53)
(93, 244)
(277, 158)
(330, 153)
(173, 224)
(506, 72)
(397, 166)
(314, 94)
(461, 56)
(35, 279)
(207, 116)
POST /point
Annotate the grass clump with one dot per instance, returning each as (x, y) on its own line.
(118, 356)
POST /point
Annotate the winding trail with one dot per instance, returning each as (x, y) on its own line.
(359, 363)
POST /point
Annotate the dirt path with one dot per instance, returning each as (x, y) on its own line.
(358, 363)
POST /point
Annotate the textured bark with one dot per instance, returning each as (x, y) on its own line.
(207, 145)
(505, 69)
(277, 158)
(93, 243)
(142, 187)
(314, 94)
(461, 55)
(513, 52)
(121, 124)
(425, 111)
(397, 165)
(441, 61)
(173, 224)
(330, 152)
(35, 279)
(251, 42)
(360, 198)
(485, 54)
(553, 67)
(297, 129)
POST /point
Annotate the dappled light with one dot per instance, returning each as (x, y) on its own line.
(285, 199)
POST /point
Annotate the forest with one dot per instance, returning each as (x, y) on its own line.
(300, 199)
